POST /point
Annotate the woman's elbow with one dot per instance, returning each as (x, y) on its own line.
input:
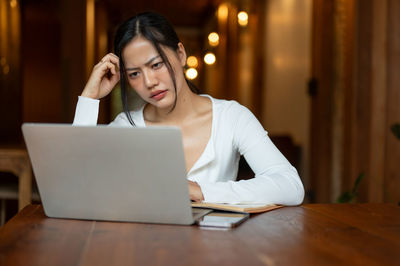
(297, 195)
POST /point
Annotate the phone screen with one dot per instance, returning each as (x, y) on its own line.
(222, 219)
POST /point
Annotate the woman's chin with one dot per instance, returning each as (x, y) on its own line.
(163, 103)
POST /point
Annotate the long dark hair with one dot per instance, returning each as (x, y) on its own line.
(156, 29)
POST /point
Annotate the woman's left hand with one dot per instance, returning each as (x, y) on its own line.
(195, 192)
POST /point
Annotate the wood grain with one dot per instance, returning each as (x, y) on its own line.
(314, 234)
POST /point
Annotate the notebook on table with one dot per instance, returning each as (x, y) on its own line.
(110, 173)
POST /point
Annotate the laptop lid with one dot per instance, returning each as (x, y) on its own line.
(110, 173)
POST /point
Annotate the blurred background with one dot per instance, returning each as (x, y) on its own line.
(322, 76)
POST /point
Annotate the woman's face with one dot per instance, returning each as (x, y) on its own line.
(148, 74)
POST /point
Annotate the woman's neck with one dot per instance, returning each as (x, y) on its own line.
(186, 107)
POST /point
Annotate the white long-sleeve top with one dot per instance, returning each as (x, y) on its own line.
(235, 131)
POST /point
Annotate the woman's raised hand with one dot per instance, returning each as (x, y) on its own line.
(104, 77)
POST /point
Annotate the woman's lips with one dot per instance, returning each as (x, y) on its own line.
(158, 95)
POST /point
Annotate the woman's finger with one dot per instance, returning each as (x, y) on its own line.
(106, 63)
(114, 79)
(110, 58)
(115, 60)
(107, 66)
(113, 69)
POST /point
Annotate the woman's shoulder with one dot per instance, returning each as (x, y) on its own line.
(223, 103)
(228, 107)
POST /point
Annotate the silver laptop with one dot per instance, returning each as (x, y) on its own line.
(110, 173)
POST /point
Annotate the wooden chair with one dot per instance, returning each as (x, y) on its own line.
(16, 161)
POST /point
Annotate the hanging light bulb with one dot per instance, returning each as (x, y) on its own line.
(191, 73)
(213, 39)
(209, 58)
(6, 69)
(13, 3)
(192, 61)
(222, 12)
(243, 18)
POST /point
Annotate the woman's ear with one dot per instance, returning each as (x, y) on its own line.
(181, 54)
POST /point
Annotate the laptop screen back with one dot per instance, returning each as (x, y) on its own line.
(110, 173)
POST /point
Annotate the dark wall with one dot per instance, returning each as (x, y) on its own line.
(41, 39)
(46, 65)
(10, 75)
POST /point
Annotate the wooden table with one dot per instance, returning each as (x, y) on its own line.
(315, 234)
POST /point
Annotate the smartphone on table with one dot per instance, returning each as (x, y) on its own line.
(222, 219)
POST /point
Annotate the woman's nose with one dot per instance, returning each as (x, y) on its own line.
(150, 79)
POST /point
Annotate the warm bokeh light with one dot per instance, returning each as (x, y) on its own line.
(192, 61)
(6, 69)
(213, 39)
(243, 18)
(5, 66)
(209, 58)
(191, 73)
(222, 12)
(13, 3)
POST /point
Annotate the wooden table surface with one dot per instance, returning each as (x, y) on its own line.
(312, 234)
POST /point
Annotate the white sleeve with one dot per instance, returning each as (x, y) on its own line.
(276, 181)
(86, 112)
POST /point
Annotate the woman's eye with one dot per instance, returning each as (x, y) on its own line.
(157, 65)
(133, 74)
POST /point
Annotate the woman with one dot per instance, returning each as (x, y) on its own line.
(149, 58)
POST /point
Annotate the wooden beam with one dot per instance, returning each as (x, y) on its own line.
(392, 154)
(321, 103)
(378, 129)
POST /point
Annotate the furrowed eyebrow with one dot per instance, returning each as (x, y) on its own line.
(147, 63)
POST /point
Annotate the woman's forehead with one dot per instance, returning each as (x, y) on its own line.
(138, 51)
